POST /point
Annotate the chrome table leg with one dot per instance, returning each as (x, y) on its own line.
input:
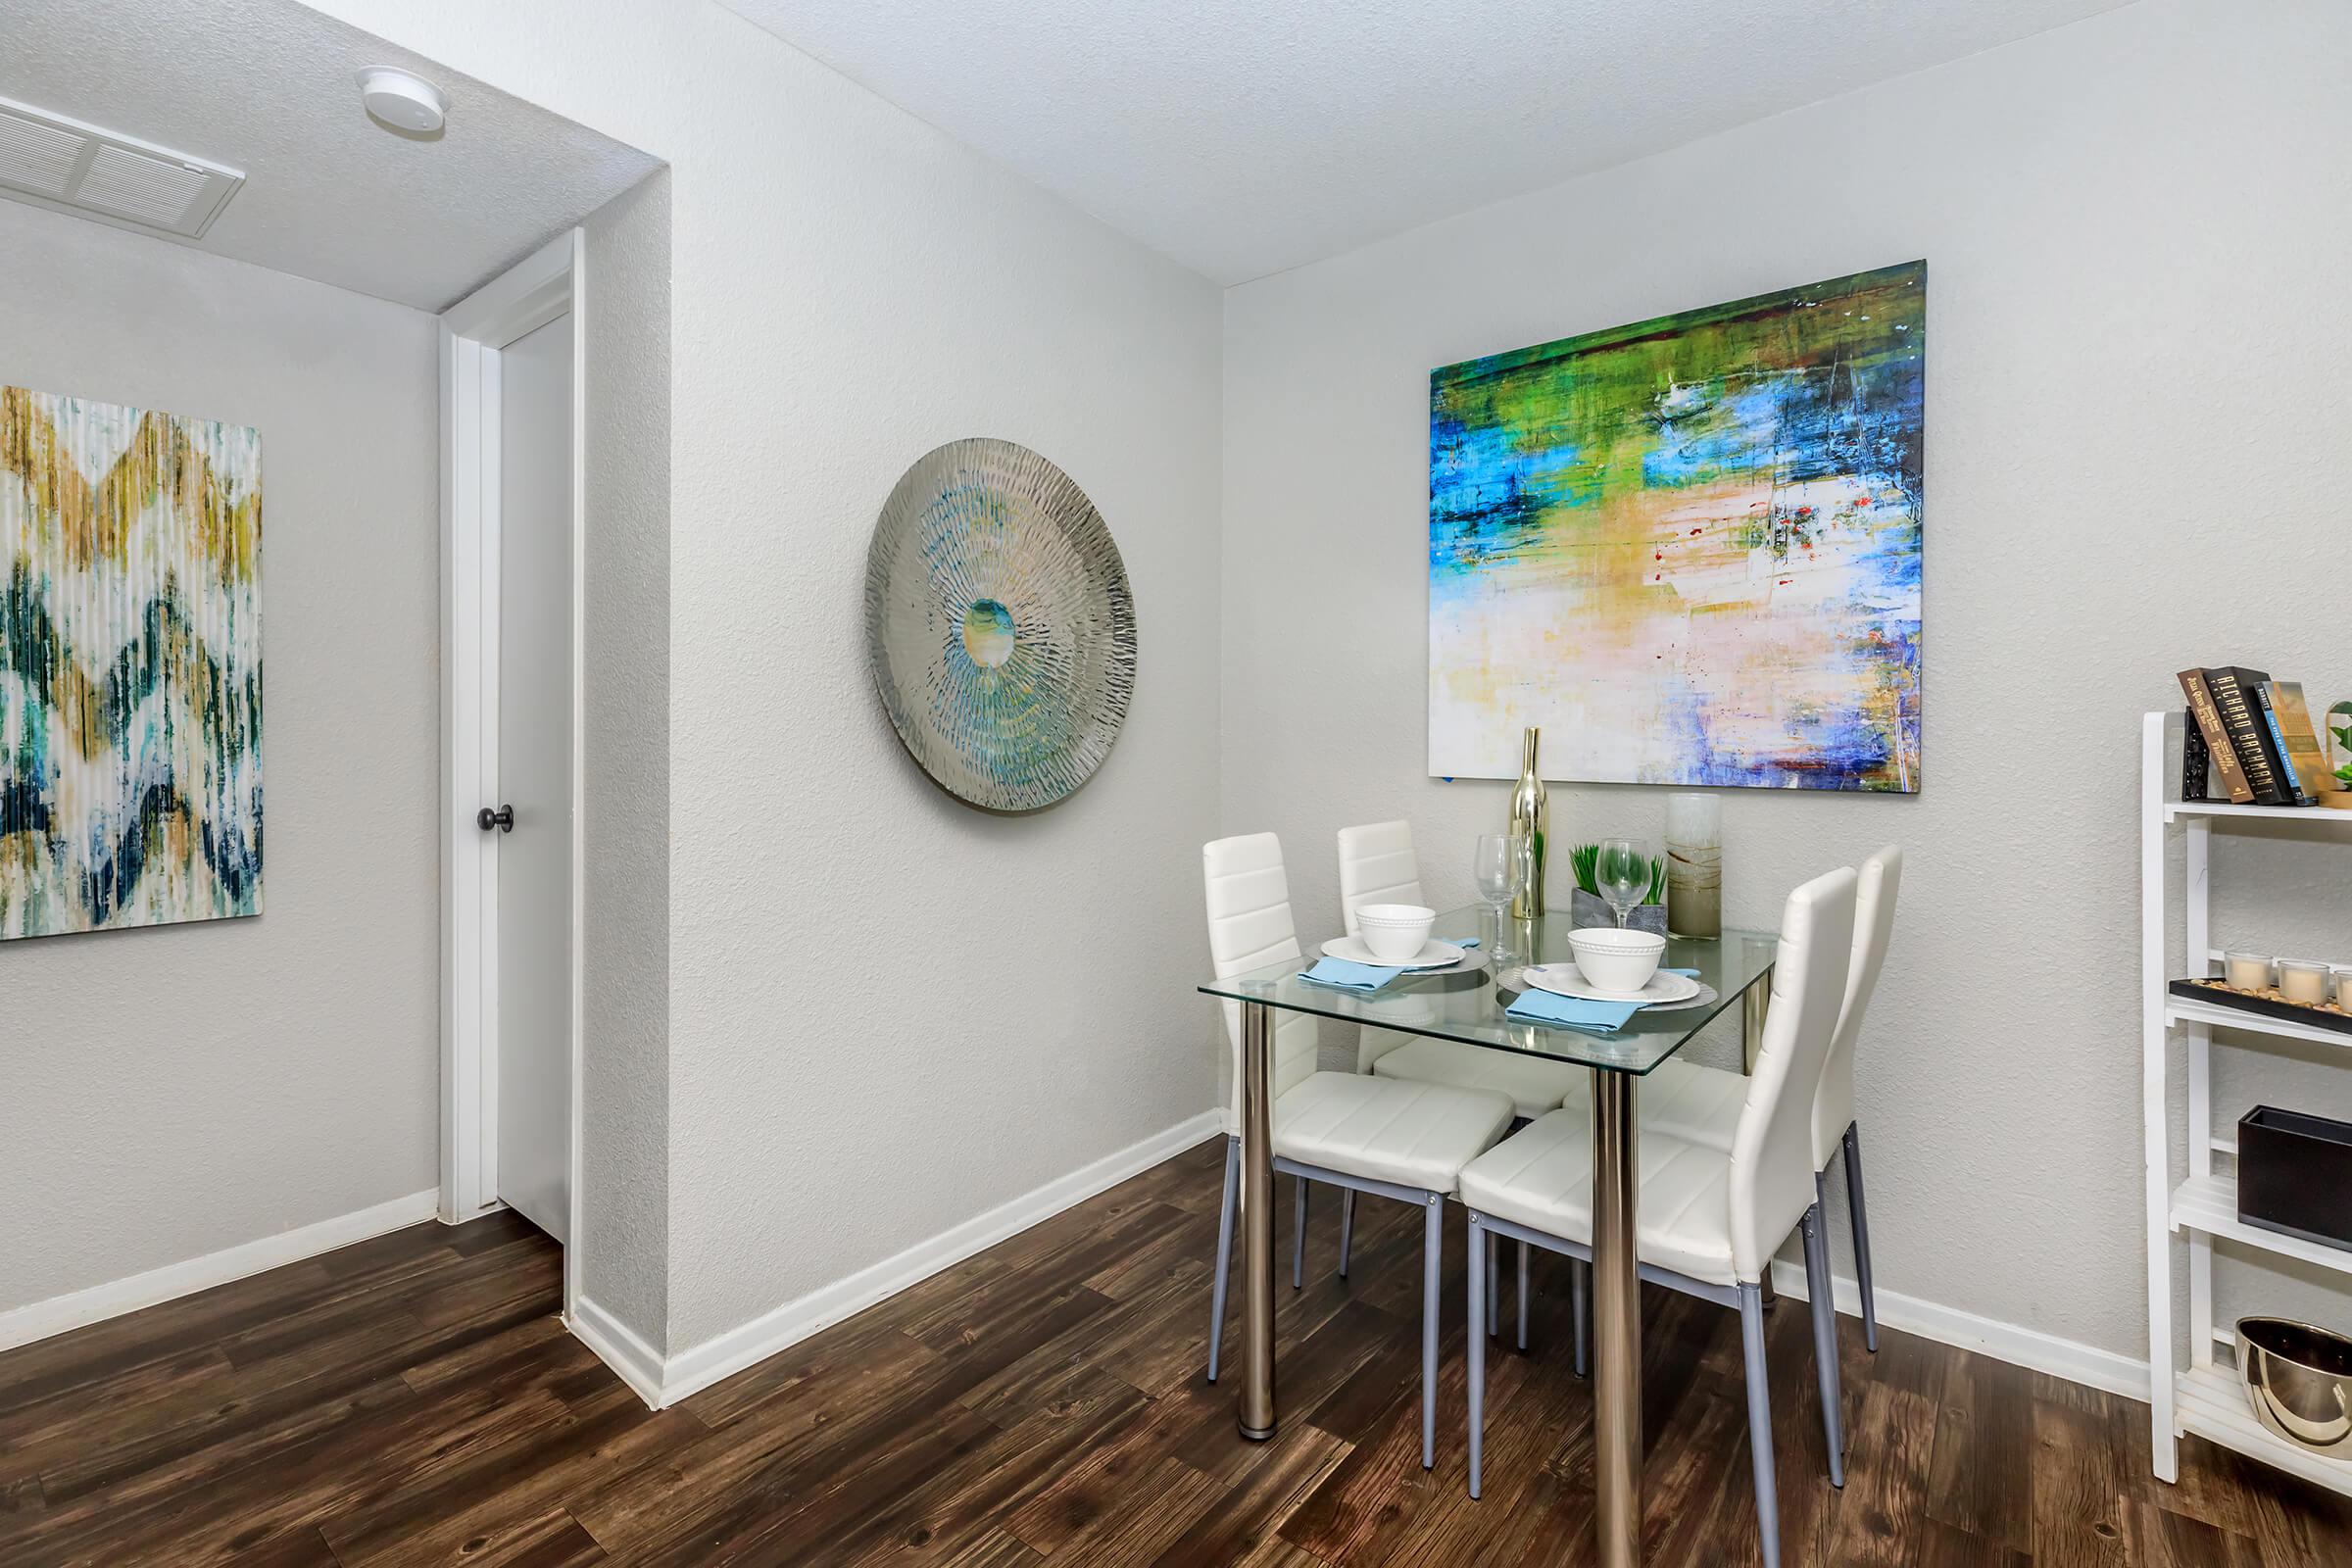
(1616, 1322)
(1257, 1222)
(1754, 1002)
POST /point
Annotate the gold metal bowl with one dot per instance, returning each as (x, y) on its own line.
(2299, 1380)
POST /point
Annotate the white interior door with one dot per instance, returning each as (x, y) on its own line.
(535, 742)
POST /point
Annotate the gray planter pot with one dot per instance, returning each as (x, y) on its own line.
(1585, 909)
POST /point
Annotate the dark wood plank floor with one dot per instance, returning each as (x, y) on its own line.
(413, 1400)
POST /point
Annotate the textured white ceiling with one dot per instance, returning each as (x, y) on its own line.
(267, 87)
(1245, 136)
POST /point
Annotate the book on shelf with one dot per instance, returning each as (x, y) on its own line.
(2208, 717)
(2233, 688)
(2306, 757)
(2290, 782)
(2196, 762)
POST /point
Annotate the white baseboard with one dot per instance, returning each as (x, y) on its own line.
(2029, 1348)
(39, 1320)
(620, 1348)
(728, 1354)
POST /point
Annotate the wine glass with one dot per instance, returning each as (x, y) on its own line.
(1622, 873)
(1500, 869)
(1496, 867)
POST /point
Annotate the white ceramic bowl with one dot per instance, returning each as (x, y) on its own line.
(1617, 961)
(1395, 932)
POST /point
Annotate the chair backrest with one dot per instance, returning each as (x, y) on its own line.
(1772, 1168)
(1377, 865)
(1249, 927)
(1874, 926)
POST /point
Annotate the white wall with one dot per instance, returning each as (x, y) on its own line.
(891, 1012)
(2139, 367)
(624, 757)
(888, 1014)
(176, 1091)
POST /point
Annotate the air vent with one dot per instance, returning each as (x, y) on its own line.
(63, 163)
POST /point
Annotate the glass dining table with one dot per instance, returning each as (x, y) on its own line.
(1468, 1005)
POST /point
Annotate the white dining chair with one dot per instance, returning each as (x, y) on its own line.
(1702, 1104)
(1707, 1222)
(1377, 865)
(1387, 1137)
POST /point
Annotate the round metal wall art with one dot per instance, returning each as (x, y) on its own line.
(998, 624)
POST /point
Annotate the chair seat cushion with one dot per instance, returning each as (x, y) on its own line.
(1536, 1086)
(1683, 1099)
(1388, 1129)
(1541, 1177)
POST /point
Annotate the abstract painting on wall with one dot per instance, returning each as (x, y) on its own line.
(1689, 548)
(131, 666)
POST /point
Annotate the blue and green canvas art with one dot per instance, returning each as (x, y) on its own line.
(1689, 549)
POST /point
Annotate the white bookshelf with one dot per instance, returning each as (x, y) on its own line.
(2223, 810)
(2192, 1210)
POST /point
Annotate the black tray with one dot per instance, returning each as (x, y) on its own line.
(2214, 991)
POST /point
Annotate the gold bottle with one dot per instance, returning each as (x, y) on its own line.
(1531, 817)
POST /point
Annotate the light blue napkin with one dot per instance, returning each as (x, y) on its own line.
(1553, 1011)
(1342, 974)
(1556, 1011)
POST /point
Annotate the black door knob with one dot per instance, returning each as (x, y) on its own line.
(501, 820)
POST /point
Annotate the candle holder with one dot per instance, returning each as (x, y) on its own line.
(2305, 981)
(1694, 865)
(2247, 971)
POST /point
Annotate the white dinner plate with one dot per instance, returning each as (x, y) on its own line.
(1706, 993)
(1434, 954)
(1567, 980)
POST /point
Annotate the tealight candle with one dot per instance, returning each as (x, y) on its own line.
(2246, 971)
(2301, 981)
(2343, 990)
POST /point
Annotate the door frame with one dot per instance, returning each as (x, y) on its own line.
(535, 292)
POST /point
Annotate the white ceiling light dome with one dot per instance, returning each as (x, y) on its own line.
(403, 101)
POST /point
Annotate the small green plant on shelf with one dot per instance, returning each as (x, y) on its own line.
(1585, 860)
(2339, 725)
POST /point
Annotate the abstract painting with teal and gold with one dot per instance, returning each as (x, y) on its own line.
(1689, 548)
(131, 666)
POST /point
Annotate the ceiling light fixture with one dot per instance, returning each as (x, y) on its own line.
(403, 102)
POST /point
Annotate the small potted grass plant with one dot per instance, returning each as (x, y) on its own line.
(2339, 729)
(1587, 908)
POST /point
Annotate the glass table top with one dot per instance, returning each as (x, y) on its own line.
(1468, 1004)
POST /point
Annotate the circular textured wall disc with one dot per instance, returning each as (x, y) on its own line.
(998, 624)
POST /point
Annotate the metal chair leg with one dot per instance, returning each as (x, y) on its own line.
(1346, 1228)
(1494, 1285)
(1217, 1298)
(1298, 1236)
(1478, 1356)
(1818, 1289)
(1852, 1153)
(1522, 1295)
(1433, 1240)
(1759, 1423)
(1580, 1313)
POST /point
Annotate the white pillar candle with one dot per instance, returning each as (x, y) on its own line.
(2302, 982)
(2247, 971)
